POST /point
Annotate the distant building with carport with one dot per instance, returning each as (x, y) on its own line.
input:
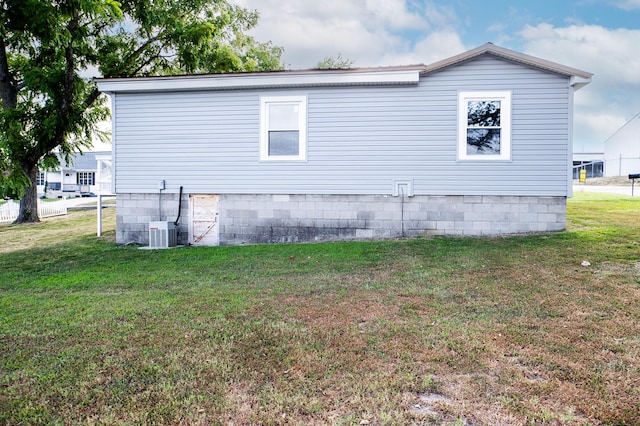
(622, 150)
(592, 162)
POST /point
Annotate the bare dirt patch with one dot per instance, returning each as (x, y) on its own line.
(608, 181)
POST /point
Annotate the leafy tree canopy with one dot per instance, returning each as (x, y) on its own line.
(335, 63)
(49, 47)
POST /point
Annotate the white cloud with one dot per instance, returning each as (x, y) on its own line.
(597, 122)
(604, 105)
(435, 46)
(628, 4)
(370, 32)
(605, 52)
(497, 27)
(394, 14)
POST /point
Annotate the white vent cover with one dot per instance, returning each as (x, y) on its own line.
(162, 234)
(403, 188)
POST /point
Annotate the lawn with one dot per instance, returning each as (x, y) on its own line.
(461, 331)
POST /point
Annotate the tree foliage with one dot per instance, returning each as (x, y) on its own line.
(335, 63)
(48, 49)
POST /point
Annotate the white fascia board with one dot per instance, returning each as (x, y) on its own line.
(252, 81)
(512, 56)
(578, 82)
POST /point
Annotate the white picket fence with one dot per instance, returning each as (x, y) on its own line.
(9, 210)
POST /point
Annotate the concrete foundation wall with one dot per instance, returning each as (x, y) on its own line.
(259, 219)
(135, 211)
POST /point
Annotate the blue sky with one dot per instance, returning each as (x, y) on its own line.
(602, 37)
(494, 18)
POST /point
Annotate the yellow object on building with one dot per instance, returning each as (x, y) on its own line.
(583, 176)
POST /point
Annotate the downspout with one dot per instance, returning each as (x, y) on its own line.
(114, 142)
(179, 208)
(570, 142)
(402, 210)
(160, 189)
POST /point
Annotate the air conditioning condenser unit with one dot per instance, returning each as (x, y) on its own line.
(162, 234)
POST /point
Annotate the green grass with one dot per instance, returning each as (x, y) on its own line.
(502, 330)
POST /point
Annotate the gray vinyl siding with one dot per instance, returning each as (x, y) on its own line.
(360, 139)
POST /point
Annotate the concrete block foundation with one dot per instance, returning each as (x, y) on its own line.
(277, 218)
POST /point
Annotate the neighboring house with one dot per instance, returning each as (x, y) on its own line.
(87, 174)
(622, 150)
(477, 144)
(592, 162)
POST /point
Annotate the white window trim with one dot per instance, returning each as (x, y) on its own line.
(83, 177)
(301, 101)
(41, 178)
(505, 124)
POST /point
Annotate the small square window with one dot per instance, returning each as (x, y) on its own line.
(283, 128)
(40, 178)
(484, 126)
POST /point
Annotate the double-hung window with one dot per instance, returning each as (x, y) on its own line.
(86, 178)
(484, 126)
(283, 134)
(40, 178)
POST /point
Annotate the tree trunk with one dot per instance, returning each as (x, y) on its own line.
(29, 203)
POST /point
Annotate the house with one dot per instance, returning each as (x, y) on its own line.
(87, 173)
(622, 150)
(476, 144)
(591, 162)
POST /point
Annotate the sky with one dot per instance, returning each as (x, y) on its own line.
(598, 36)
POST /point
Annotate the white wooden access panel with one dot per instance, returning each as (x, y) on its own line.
(203, 221)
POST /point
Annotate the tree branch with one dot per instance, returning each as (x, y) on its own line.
(68, 92)
(147, 62)
(93, 96)
(8, 89)
(70, 72)
(136, 53)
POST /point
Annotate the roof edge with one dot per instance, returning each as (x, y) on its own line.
(622, 127)
(398, 75)
(512, 55)
(272, 79)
